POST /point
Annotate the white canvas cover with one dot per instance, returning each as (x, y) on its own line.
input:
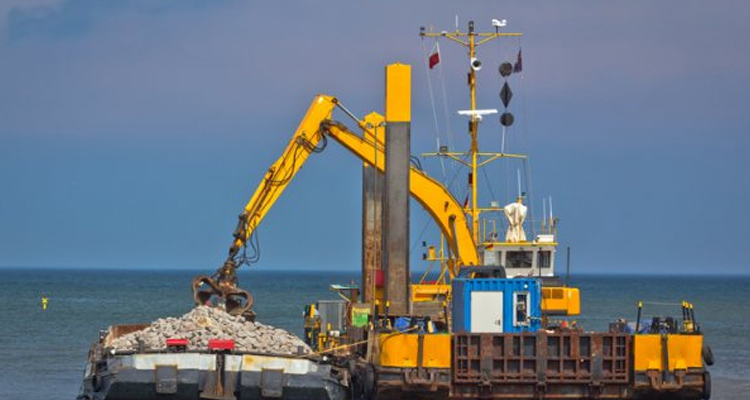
(516, 213)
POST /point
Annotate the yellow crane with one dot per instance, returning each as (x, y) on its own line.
(310, 136)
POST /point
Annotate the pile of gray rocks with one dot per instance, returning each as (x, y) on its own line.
(205, 323)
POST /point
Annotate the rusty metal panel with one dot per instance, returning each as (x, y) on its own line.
(373, 184)
(548, 364)
(693, 382)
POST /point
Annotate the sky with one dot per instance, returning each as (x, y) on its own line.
(133, 133)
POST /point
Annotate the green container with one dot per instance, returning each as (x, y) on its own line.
(360, 316)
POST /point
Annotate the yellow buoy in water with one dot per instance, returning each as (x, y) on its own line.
(44, 302)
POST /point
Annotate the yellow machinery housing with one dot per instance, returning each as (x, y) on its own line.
(683, 351)
(412, 350)
(561, 300)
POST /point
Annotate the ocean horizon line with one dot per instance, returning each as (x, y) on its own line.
(282, 270)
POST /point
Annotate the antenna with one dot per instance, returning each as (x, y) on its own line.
(456, 22)
(550, 214)
(544, 212)
(567, 272)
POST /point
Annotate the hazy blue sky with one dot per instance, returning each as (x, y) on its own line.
(132, 133)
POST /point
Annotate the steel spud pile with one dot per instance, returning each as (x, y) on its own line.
(205, 323)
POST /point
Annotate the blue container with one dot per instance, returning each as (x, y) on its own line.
(496, 305)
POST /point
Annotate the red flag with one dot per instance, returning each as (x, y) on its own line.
(435, 56)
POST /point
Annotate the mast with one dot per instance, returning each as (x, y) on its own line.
(472, 40)
(473, 130)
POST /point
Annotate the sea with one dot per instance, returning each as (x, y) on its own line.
(43, 352)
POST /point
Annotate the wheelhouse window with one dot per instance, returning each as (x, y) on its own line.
(544, 259)
(518, 259)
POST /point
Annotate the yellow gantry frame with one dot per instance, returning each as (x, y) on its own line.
(370, 148)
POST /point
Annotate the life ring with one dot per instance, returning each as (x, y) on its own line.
(708, 355)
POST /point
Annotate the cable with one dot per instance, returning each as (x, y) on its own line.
(416, 162)
(421, 234)
(526, 167)
(489, 185)
(301, 143)
(243, 258)
(527, 175)
(427, 221)
(348, 345)
(253, 240)
(432, 100)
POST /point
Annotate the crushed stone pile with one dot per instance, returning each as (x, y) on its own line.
(205, 323)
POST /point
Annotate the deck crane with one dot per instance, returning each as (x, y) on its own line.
(311, 137)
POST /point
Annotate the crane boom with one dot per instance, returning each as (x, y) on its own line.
(312, 130)
(311, 137)
(305, 141)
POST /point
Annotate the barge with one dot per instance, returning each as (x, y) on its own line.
(219, 372)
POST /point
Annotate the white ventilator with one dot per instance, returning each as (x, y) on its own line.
(516, 214)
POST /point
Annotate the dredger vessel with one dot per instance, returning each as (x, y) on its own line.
(496, 323)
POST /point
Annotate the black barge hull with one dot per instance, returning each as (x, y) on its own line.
(188, 376)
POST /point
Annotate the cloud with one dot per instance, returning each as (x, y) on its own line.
(198, 67)
(26, 6)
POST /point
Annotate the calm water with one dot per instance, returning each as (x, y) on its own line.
(42, 353)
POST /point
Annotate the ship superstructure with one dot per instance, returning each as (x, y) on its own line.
(501, 238)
